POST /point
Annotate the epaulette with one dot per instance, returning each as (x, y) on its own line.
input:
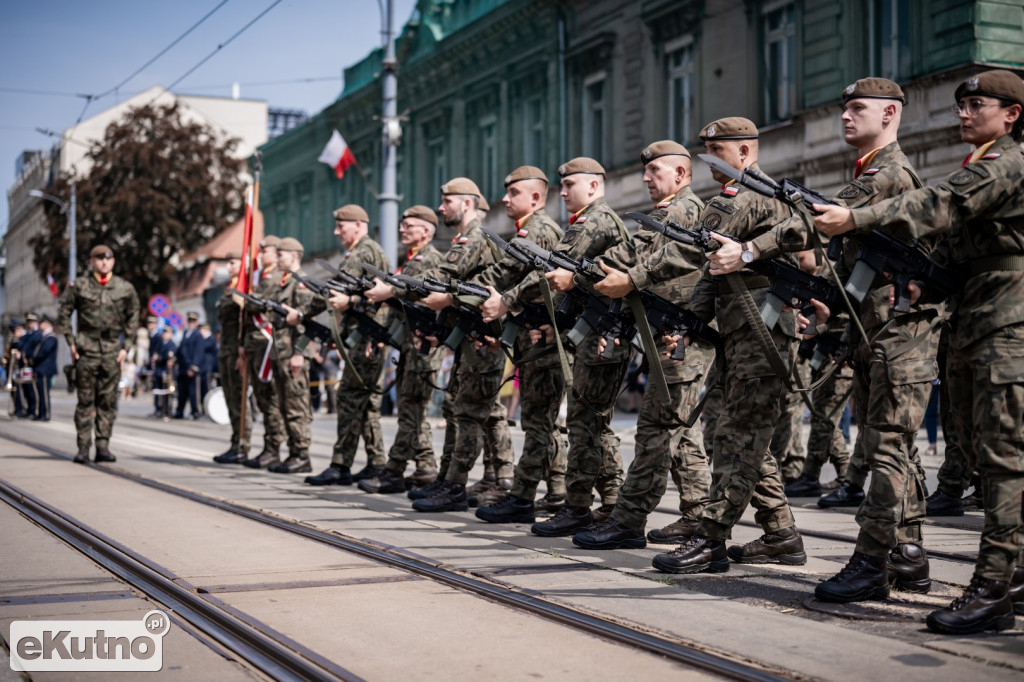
(871, 171)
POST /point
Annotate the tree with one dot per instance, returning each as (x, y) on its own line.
(158, 186)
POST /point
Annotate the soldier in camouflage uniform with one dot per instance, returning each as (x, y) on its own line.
(258, 351)
(477, 414)
(416, 371)
(745, 471)
(893, 369)
(663, 443)
(594, 459)
(230, 361)
(362, 382)
(541, 381)
(108, 316)
(981, 206)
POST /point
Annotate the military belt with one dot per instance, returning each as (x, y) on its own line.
(980, 266)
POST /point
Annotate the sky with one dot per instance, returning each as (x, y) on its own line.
(66, 48)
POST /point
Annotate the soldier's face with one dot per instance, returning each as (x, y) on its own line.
(519, 198)
(990, 122)
(348, 232)
(103, 265)
(578, 191)
(452, 209)
(733, 152)
(863, 120)
(234, 267)
(663, 176)
(268, 256)
(288, 260)
(414, 232)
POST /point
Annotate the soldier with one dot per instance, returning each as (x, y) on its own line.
(359, 395)
(257, 350)
(187, 365)
(416, 371)
(229, 317)
(893, 368)
(292, 351)
(752, 380)
(44, 365)
(477, 413)
(594, 459)
(108, 315)
(981, 206)
(663, 442)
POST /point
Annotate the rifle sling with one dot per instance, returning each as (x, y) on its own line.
(545, 290)
(657, 372)
(980, 266)
(342, 351)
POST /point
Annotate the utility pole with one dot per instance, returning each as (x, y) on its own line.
(391, 135)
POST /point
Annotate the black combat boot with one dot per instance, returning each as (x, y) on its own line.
(231, 456)
(984, 605)
(512, 509)
(781, 547)
(551, 502)
(498, 492)
(83, 455)
(386, 483)
(367, 472)
(941, 504)
(295, 464)
(420, 478)
(425, 491)
(698, 555)
(864, 577)
(103, 454)
(1017, 590)
(564, 523)
(908, 569)
(846, 495)
(267, 458)
(804, 486)
(674, 533)
(449, 497)
(336, 474)
(609, 534)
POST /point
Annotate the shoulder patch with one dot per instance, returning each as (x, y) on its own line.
(849, 192)
(731, 190)
(452, 256)
(712, 221)
(722, 205)
(961, 177)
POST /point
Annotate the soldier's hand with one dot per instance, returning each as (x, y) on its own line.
(494, 307)
(294, 316)
(912, 288)
(727, 258)
(435, 300)
(821, 315)
(379, 292)
(545, 331)
(239, 363)
(122, 355)
(340, 301)
(616, 284)
(296, 364)
(833, 220)
(560, 279)
(431, 340)
(672, 342)
(491, 342)
(602, 343)
(74, 353)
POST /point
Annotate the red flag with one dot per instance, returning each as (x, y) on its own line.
(50, 283)
(337, 155)
(245, 277)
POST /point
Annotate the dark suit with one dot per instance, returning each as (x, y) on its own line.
(28, 390)
(156, 343)
(207, 361)
(44, 363)
(188, 360)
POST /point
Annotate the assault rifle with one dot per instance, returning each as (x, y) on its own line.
(366, 328)
(418, 318)
(672, 320)
(351, 284)
(790, 286)
(309, 328)
(824, 348)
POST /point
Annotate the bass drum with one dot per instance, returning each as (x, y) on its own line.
(216, 406)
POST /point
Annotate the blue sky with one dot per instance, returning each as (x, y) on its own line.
(90, 46)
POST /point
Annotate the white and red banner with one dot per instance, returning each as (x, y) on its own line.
(52, 284)
(337, 155)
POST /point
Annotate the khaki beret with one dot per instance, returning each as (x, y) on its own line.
(874, 88)
(482, 205)
(1000, 83)
(581, 164)
(290, 244)
(351, 212)
(270, 240)
(460, 186)
(31, 317)
(525, 173)
(731, 128)
(100, 250)
(192, 316)
(661, 148)
(422, 212)
(235, 254)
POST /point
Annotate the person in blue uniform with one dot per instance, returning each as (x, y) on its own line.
(44, 363)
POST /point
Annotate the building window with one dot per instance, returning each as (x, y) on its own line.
(305, 219)
(889, 38)
(533, 132)
(489, 156)
(437, 168)
(681, 86)
(779, 21)
(593, 116)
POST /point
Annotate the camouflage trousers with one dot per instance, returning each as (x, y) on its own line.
(664, 446)
(358, 410)
(594, 460)
(712, 408)
(744, 470)
(478, 414)
(231, 383)
(293, 397)
(987, 387)
(415, 385)
(954, 473)
(266, 395)
(544, 456)
(98, 390)
(788, 446)
(825, 442)
(890, 391)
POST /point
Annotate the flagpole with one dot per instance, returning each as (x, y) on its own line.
(244, 282)
(387, 200)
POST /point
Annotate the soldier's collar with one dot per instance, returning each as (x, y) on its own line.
(522, 221)
(666, 201)
(864, 161)
(980, 151)
(103, 280)
(576, 216)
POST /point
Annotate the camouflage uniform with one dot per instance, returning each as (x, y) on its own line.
(954, 473)
(293, 391)
(787, 442)
(229, 318)
(982, 207)
(825, 442)
(663, 444)
(541, 383)
(257, 345)
(892, 377)
(108, 316)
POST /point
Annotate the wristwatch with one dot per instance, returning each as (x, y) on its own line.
(747, 256)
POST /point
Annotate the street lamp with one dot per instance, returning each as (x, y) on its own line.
(391, 134)
(72, 236)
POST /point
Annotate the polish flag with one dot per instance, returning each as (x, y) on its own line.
(52, 284)
(337, 155)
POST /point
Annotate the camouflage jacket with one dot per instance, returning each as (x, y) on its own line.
(108, 315)
(508, 274)
(289, 340)
(982, 207)
(470, 254)
(229, 320)
(363, 251)
(265, 287)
